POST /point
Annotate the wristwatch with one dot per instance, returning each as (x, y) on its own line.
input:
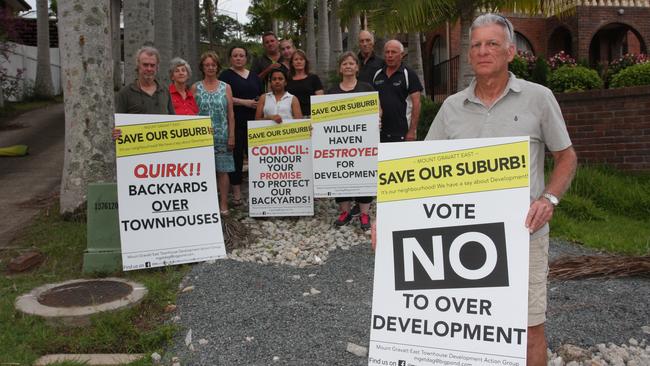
(551, 198)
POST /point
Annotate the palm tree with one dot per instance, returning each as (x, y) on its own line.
(138, 31)
(43, 84)
(336, 40)
(404, 16)
(323, 41)
(311, 36)
(415, 56)
(163, 36)
(116, 6)
(86, 70)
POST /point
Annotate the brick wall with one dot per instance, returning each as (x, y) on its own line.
(610, 126)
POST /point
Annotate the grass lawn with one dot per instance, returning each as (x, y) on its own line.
(606, 210)
(25, 338)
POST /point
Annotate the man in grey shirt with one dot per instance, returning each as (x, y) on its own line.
(145, 95)
(497, 104)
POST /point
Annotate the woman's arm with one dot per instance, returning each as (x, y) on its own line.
(231, 119)
(295, 108)
(259, 112)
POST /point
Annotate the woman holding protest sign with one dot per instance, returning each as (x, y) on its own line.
(302, 83)
(182, 98)
(278, 104)
(214, 99)
(348, 69)
(246, 89)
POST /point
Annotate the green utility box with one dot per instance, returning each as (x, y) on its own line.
(103, 253)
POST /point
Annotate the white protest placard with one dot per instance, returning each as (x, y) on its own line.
(279, 168)
(344, 141)
(167, 192)
(451, 266)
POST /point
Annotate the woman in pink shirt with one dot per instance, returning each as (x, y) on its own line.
(182, 98)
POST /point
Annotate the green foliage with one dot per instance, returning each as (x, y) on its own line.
(519, 67)
(541, 71)
(606, 209)
(225, 30)
(631, 76)
(622, 63)
(574, 78)
(136, 330)
(428, 112)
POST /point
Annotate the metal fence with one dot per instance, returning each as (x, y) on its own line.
(444, 78)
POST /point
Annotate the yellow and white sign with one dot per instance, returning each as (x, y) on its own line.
(451, 266)
(167, 193)
(344, 142)
(279, 168)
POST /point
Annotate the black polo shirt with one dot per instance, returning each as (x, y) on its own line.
(394, 99)
(262, 62)
(368, 69)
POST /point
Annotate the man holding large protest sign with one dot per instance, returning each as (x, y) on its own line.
(497, 104)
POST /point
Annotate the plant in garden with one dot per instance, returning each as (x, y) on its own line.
(561, 59)
(574, 78)
(540, 72)
(632, 76)
(624, 62)
(9, 84)
(522, 65)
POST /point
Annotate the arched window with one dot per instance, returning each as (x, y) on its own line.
(439, 50)
(523, 44)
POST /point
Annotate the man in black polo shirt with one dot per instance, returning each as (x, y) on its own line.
(369, 62)
(271, 59)
(399, 95)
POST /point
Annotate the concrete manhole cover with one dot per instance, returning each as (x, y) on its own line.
(84, 293)
(72, 302)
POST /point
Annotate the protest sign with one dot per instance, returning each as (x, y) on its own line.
(451, 267)
(279, 168)
(344, 141)
(167, 191)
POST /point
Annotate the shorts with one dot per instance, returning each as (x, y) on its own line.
(537, 275)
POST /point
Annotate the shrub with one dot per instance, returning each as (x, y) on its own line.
(428, 112)
(519, 67)
(540, 72)
(632, 76)
(574, 78)
(624, 62)
(561, 59)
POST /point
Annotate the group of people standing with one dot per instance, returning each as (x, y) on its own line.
(277, 87)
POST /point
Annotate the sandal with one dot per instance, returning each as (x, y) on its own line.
(224, 212)
(237, 202)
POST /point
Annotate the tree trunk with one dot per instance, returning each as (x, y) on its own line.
(43, 84)
(311, 34)
(86, 70)
(163, 37)
(274, 25)
(323, 41)
(178, 31)
(354, 27)
(335, 34)
(465, 73)
(209, 14)
(193, 35)
(116, 32)
(138, 32)
(415, 56)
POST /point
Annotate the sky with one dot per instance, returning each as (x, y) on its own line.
(239, 7)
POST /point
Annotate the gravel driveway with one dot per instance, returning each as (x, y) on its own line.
(263, 314)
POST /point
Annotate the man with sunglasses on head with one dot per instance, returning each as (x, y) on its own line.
(497, 104)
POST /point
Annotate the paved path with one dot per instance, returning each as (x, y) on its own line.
(27, 179)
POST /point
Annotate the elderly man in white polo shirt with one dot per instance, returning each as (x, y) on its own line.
(497, 104)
